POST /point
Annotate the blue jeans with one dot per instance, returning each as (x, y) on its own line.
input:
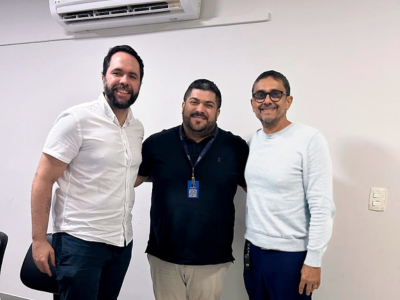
(89, 270)
(274, 275)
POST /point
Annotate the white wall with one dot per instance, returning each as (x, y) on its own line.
(342, 59)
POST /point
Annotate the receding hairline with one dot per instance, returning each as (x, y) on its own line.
(277, 79)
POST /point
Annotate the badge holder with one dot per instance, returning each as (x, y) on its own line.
(193, 189)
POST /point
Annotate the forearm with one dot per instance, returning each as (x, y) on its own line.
(322, 211)
(49, 170)
(320, 232)
(320, 200)
(40, 207)
(141, 179)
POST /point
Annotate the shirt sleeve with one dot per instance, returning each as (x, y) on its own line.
(317, 174)
(64, 139)
(244, 153)
(147, 161)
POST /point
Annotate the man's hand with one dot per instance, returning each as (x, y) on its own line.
(41, 251)
(141, 179)
(310, 279)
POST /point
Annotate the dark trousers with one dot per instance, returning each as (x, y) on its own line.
(274, 275)
(89, 270)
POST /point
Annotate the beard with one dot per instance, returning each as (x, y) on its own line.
(269, 121)
(201, 131)
(109, 92)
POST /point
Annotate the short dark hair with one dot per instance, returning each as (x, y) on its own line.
(277, 76)
(205, 85)
(126, 49)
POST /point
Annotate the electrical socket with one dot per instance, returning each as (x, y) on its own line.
(377, 199)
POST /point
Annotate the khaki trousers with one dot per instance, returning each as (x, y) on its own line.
(187, 282)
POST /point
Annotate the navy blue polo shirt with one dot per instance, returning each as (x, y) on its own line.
(185, 230)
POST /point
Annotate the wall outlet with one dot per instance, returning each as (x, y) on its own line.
(377, 199)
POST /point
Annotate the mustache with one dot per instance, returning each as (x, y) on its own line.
(122, 86)
(267, 106)
(199, 114)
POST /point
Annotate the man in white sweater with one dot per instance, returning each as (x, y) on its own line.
(289, 199)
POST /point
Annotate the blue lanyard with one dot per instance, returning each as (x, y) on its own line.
(205, 149)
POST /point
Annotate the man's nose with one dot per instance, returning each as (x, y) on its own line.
(200, 107)
(123, 79)
(267, 99)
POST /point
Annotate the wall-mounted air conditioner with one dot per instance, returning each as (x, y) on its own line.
(81, 15)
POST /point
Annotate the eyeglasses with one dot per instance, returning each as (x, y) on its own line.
(274, 95)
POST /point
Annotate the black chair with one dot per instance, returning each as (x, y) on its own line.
(34, 279)
(3, 245)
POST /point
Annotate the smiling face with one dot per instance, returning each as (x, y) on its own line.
(200, 113)
(122, 81)
(271, 114)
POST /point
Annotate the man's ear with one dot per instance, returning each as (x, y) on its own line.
(252, 102)
(289, 100)
(218, 112)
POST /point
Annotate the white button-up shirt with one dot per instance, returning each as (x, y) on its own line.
(95, 196)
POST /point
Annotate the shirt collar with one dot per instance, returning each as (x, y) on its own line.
(109, 112)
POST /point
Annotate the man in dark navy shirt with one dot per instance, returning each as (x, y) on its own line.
(195, 169)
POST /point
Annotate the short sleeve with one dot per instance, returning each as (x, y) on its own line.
(64, 139)
(243, 155)
(147, 161)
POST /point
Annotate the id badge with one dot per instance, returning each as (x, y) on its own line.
(193, 189)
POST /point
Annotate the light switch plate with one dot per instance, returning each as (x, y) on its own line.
(377, 199)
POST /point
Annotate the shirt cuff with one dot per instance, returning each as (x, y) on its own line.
(313, 258)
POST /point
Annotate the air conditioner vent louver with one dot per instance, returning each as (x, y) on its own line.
(82, 15)
(120, 12)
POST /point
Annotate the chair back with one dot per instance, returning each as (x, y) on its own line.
(32, 277)
(3, 245)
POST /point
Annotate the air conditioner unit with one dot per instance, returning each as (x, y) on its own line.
(81, 15)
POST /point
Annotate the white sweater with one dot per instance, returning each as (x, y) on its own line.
(289, 192)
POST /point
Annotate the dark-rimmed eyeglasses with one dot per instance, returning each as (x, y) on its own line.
(274, 95)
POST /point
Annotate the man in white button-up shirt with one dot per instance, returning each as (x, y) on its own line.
(93, 152)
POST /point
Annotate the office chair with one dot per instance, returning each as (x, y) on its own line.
(3, 245)
(34, 279)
